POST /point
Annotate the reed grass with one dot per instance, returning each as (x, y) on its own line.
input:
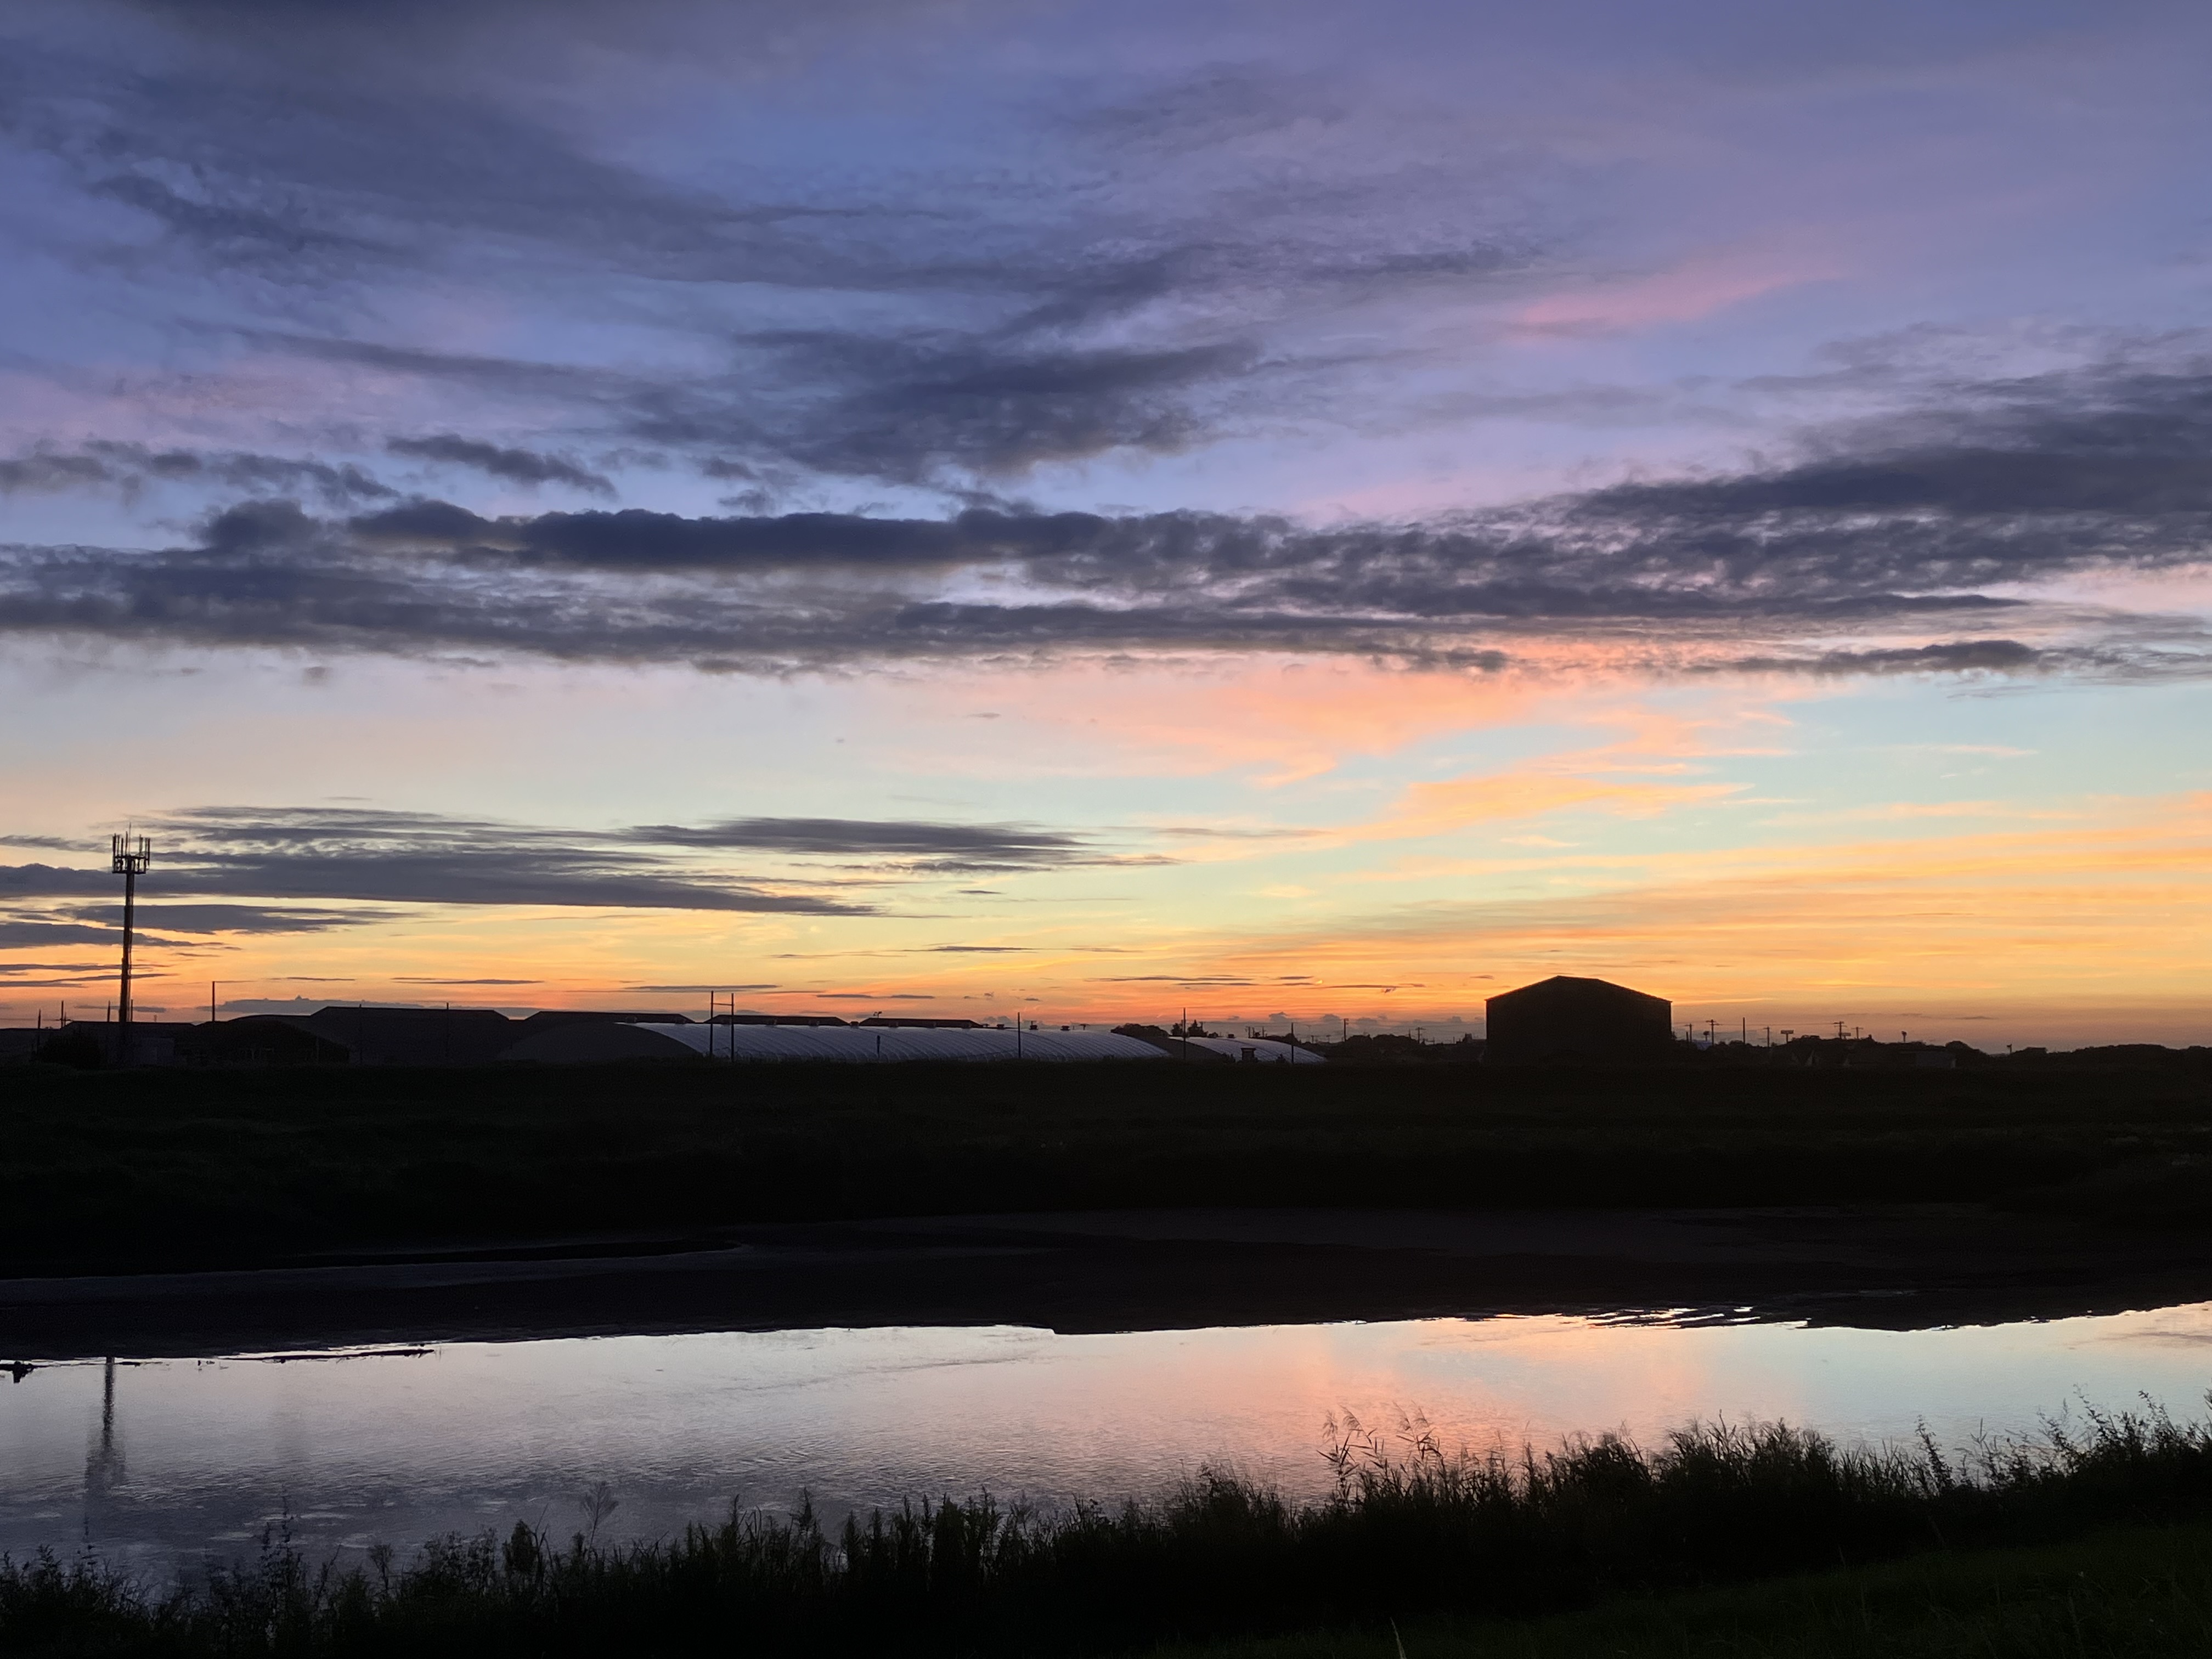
(1411, 1531)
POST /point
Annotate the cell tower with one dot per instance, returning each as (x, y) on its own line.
(129, 862)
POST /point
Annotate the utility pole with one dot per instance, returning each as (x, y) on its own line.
(129, 861)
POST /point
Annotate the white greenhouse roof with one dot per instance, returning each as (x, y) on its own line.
(1265, 1050)
(610, 1041)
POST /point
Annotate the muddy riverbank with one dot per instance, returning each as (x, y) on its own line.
(1880, 1267)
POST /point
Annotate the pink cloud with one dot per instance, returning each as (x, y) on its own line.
(1698, 287)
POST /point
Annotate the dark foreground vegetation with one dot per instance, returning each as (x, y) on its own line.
(112, 1169)
(1410, 1535)
(2133, 1593)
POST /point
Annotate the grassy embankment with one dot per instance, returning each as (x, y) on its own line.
(2142, 1593)
(2016, 1553)
(176, 1168)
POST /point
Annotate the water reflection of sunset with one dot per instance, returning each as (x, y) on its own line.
(403, 1446)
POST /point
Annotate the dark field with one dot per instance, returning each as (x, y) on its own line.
(179, 1169)
(2137, 1593)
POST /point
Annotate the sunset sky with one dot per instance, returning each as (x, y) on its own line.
(1285, 511)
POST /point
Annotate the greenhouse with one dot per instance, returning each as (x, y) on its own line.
(610, 1040)
(1266, 1051)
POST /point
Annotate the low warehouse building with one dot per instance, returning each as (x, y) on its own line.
(1586, 1020)
(413, 1036)
(608, 1041)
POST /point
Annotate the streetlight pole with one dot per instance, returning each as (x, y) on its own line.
(129, 860)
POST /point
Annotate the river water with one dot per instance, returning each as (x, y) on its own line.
(151, 1463)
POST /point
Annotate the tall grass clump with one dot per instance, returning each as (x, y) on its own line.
(1410, 1529)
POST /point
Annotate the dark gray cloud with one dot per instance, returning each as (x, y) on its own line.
(222, 156)
(930, 408)
(226, 225)
(43, 470)
(701, 989)
(937, 846)
(1950, 657)
(1197, 981)
(523, 466)
(51, 881)
(32, 931)
(906, 319)
(862, 241)
(418, 979)
(225, 918)
(406, 858)
(384, 859)
(261, 870)
(918, 411)
(19, 933)
(1924, 527)
(127, 468)
(2013, 481)
(634, 539)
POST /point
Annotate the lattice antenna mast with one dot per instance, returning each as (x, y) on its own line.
(131, 859)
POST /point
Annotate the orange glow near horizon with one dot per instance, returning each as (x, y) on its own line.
(1259, 839)
(2094, 927)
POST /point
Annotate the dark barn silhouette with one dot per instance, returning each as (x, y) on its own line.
(1587, 1020)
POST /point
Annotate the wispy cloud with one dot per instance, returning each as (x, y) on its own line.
(126, 468)
(391, 859)
(522, 466)
(914, 844)
(385, 863)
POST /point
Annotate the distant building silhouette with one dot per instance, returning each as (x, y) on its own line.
(414, 1036)
(361, 1035)
(1588, 1020)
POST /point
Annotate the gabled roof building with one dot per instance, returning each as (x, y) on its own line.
(1589, 1021)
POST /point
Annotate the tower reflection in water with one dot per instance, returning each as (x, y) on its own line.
(103, 1463)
